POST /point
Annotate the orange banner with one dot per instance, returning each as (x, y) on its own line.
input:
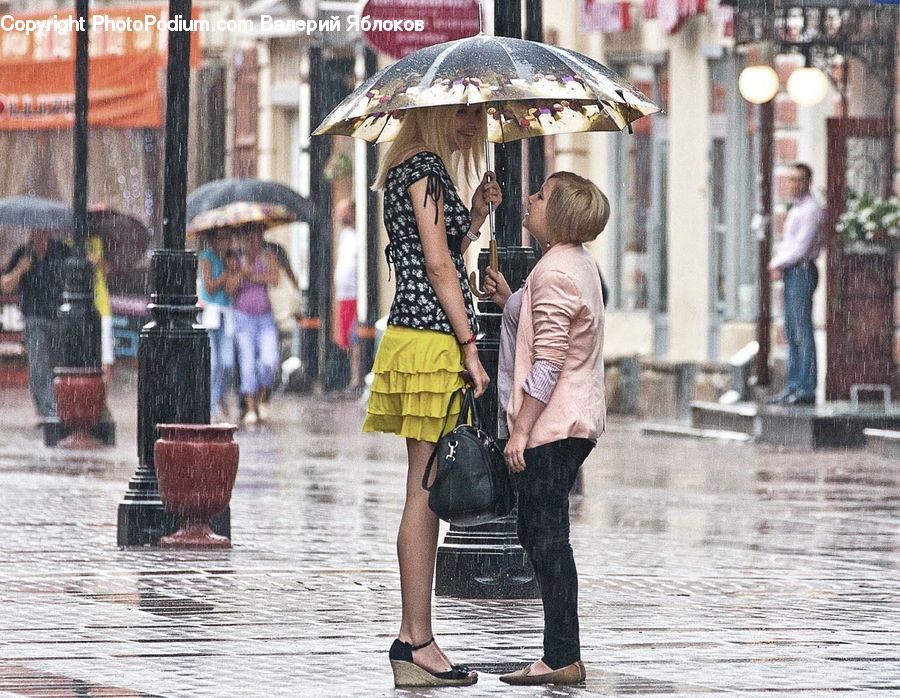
(121, 94)
(115, 32)
(127, 48)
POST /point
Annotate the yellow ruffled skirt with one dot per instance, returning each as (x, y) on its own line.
(417, 375)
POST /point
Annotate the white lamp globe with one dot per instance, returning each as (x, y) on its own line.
(758, 83)
(807, 86)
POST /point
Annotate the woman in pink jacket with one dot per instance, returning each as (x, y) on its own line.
(551, 388)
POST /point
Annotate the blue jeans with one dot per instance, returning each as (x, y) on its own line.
(258, 351)
(800, 282)
(221, 361)
(40, 350)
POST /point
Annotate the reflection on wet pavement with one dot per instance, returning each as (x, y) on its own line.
(706, 569)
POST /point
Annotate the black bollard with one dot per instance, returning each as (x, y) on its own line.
(487, 562)
(173, 349)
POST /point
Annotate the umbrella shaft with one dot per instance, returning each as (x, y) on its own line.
(487, 163)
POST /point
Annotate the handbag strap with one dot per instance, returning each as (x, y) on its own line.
(431, 460)
(469, 413)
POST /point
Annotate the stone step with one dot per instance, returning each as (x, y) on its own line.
(694, 433)
(884, 442)
(832, 425)
(739, 417)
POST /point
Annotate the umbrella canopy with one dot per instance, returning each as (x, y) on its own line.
(126, 240)
(221, 192)
(238, 215)
(19, 214)
(24, 213)
(528, 89)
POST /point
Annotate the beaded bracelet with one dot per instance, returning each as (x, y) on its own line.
(470, 340)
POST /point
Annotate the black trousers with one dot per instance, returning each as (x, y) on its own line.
(543, 529)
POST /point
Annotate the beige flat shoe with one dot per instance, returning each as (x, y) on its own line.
(572, 673)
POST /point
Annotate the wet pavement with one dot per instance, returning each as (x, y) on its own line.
(706, 569)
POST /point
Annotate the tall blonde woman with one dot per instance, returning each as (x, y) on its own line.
(555, 402)
(428, 347)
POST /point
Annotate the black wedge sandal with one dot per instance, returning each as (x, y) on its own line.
(407, 674)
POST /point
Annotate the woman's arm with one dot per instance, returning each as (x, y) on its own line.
(212, 285)
(269, 277)
(554, 302)
(527, 417)
(442, 274)
(496, 286)
(488, 192)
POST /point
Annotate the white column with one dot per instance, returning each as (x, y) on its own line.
(688, 198)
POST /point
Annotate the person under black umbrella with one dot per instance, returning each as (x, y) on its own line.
(35, 272)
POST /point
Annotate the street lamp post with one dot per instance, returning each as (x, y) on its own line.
(758, 84)
(79, 323)
(766, 163)
(487, 561)
(173, 350)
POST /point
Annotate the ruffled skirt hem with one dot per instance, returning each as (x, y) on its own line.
(416, 375)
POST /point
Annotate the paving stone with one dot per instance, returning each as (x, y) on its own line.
(706, 569)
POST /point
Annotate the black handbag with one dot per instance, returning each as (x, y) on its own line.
(472, 485)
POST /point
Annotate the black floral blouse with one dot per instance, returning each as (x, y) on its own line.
(415, 303)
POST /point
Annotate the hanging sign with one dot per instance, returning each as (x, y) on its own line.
(607, 17)
(399, 27)
(672, 14)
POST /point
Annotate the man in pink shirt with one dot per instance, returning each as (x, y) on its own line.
(795, 263)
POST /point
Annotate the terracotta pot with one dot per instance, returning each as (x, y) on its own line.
(80, 397)
(196, 465)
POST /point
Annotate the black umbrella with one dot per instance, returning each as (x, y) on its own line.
(19, 214)
(25, 213)
(126, 240)
(221, 192)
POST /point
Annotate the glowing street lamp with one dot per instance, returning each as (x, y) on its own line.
(807, 86)
(758, 83)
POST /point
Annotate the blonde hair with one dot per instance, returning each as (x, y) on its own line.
(433, 127)
(576, 207)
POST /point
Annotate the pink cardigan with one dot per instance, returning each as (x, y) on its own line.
(562, 321)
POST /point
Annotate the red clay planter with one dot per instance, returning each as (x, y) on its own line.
(80, 397)
(196, 465)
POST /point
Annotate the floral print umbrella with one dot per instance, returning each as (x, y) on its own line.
(528, 89)
(238, 215)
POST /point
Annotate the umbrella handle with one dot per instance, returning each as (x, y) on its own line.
(494, 263)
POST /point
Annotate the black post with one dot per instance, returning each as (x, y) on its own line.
(373, 256)
(766, 113)
(487, 561)
(537, 159)
(320, 225)
(173, 350)
(80, 133)
(322, 358)
(78, 344)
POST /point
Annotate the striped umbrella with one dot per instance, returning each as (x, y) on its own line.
(528, 89)
(239, 215)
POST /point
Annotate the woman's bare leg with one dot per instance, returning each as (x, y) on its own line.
(416, 551)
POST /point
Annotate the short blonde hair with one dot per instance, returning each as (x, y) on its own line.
(576, 207)
(433, 127)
